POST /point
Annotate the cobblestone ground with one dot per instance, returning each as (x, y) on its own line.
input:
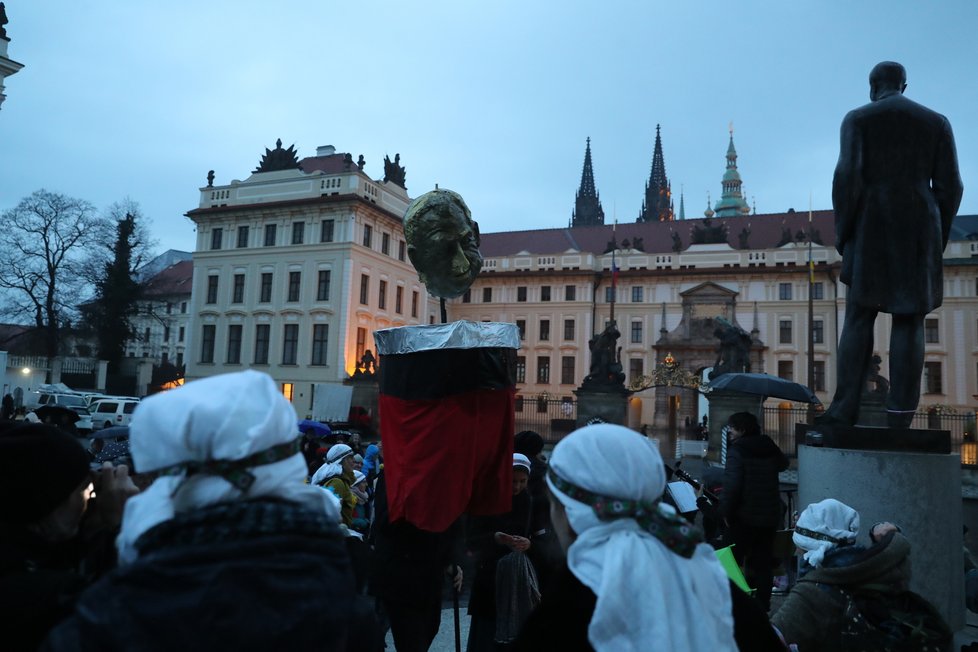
(445, 641)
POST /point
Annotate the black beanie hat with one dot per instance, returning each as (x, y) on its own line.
(528, 442)
(39, 468)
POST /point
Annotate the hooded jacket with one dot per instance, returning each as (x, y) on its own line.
(751, 493)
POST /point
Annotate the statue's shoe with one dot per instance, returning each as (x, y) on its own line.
(829, 419)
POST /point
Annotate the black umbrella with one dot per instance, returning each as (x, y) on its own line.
(57, 414)
(764, 385)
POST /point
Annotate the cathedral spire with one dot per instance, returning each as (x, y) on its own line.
(682, 205)
(587, 202)
(657, 205)
(732, 201)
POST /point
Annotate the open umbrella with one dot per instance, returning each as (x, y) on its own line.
(763, 385)
(315, 428)
(112, 432)
(56, 414)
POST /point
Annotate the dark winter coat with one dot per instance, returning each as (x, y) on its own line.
(255, 575)
(895, 191)
(40, 581)
(561, 620)
(487, 553)
(751, 491)
(812, 614)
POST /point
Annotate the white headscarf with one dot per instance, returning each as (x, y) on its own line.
(334, 464)
(647, 595)
(226, 417)
(824, 526)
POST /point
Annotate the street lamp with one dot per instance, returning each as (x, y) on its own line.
(25, 370)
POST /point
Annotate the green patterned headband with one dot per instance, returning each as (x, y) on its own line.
(818, 536)
(675, 532)
(236, 471)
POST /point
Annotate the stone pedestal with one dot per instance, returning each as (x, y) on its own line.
(611, 406)
(920, 492)
(722, 404)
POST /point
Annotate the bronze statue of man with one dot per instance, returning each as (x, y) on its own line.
(443, 242)
(895, 191)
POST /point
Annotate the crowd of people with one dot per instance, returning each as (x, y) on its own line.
(234, 530)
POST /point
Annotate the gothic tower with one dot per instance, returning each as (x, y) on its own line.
(657, 205)
(732, 202)
(587, 203)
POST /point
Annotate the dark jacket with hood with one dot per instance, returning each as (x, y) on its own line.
(812, 615)
(751, 494)
(251, 575)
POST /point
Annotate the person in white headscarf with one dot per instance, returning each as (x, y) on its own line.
(228, 548)
(833, 564)
(641, 571)
(336, 476)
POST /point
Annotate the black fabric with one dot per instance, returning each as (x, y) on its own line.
(753, 550)
(226, 577)
(407, 573)
(49, 461)
(751, 491)
(446, 372)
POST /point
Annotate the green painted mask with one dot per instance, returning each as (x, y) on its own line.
(443, 242)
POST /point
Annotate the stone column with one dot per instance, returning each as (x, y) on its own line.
(722, 404)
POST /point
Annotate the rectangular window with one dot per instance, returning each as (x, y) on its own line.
(544, 330)
(818, 331)
(180, 359)
(818, 290)
(183, 307)
(364, 289)
(181, 332)
(818, 367)
(290, 343)
(169, 308)
(242, 237)
(209, 332)
(382, 295)
(237, 291)
(368, 233)
(784, 291)
(166, 334)
(211, 289)
(636, 332)
(399, 300)
(521, 327)
(545, 293)
(570, 293)
(217, 235)
(932, 378)
(326, 230)
(265, 291)
(270, 232)
(298, 232)
(521, 293)
(784, 331)
(385, 244)
(543, 369)
(288, 389)
(636, 369)
(320, 334)
(486, 295)
(361, 342)
(931, 334)
(610, 294)
(567, 369)
(322, 286)
(467, 296)
(234, 344)
(262, 340)
(637, 294)
(521, 368)
(569, 329)
(786, 369)
(414, 304)
(401, 249)
(295, 282)
(146, 335)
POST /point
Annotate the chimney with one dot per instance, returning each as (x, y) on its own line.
(325, 150)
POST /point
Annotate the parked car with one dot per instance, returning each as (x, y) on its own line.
(112, 412)
(74, 402)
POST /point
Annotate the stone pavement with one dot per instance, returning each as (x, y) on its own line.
(445, 641)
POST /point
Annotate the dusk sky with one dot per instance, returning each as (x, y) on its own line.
(491, 99)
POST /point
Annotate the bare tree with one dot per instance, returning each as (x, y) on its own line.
(46, 238)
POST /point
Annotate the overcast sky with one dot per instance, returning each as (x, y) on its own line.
(491, 99)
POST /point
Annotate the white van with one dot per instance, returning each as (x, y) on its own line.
(112, 412)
